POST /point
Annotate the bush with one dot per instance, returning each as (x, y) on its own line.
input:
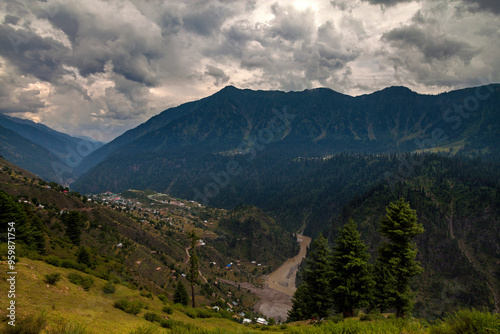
(179, 325)
(70, 264)
(32, 324)
(163, 298)
(52, 278)
(53, 260)
(84, 281)
(133, 307)
(153, 317)
(109, 288)
(75, 278)
(168, 309)
(468, 321)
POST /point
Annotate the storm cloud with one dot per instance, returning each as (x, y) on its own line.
(82, 66)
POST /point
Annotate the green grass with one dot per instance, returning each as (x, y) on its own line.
(468, 321)
(66, 308)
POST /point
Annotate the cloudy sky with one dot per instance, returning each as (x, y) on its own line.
(98, 68)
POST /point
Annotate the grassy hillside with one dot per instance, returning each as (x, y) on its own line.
(139, 246)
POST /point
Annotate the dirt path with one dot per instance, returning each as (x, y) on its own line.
(283, 278)
(187, 260)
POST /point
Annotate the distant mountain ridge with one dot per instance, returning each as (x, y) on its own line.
(47, 148)
(315, 122)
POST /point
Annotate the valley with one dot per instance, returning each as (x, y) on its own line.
(125, 224)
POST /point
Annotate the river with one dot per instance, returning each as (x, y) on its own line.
(283, 278)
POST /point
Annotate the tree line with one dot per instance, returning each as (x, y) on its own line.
(341, 279)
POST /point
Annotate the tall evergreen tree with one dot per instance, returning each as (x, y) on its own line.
(73, 221)
(83, 256)
(398, 255)
(314, 299)
(352, 281)
(193, 266)
(180, 294)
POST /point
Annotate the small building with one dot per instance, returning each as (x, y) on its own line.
(262, 321)
(247, 321)
(120, 245)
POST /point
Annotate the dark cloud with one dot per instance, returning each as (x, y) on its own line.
(28, 101)
(32, 54)
(431, 46)
(219, 76)
(10, 19)
(67, 22)
(492, 6)
(206, 20)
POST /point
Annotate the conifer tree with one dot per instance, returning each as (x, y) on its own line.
(193, 267)
(314, 299)
(180, 294)
(397, 256)
(83, 256)
(73, 221)
(352, 281)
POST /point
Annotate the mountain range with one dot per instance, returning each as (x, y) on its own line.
(50, 154)
(279, 125)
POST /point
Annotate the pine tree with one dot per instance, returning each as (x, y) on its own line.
(83, 256)
(180, 294)
(352, 281)
(73, 221)
(398, 255)
(193, 267)
(314, 299)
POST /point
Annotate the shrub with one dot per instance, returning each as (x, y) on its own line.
(163, 298)
(70, 264)
(32, 324)
(75, 278)
(53, 260)
(52, 278)
(468, 321)
(109, 288)
(153, 317)
(168, 309)
(84, 281)
(133, 307)
(179, 325)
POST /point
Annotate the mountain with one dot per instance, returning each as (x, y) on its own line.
(33, 157)
(51, 154)
(250, 124)
(58, 143)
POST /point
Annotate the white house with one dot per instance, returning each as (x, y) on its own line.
(262, 321)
